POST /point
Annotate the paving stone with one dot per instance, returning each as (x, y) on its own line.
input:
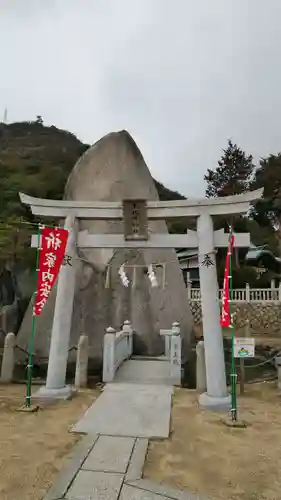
(70, 468)
(137, 460)
(110, 454)
(134, 410)
(131, 493)
(90, 485)
(164, 490)
(144, 372)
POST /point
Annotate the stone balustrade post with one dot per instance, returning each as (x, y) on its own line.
(175, 354)
(8, 360)
(167, 334)
(247, 293)
(81, 371)
(109, 355)
(201, 381)
(127, 327)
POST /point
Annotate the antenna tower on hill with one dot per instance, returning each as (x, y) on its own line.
(5, 118)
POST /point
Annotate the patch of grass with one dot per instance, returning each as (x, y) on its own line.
(206, 457)
(33, 445)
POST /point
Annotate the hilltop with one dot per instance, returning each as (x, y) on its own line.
(37, 159)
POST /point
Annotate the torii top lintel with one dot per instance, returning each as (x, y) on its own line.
(237, 204)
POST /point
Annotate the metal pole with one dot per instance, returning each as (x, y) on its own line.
(233, 368)
(31, 344)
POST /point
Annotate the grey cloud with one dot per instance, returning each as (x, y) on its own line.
(182, 76)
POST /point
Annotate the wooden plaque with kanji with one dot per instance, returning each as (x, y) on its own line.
(135, 219)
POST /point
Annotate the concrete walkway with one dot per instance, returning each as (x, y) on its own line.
(107, 464)
(110, 468)
(136, 404)
(135, 410)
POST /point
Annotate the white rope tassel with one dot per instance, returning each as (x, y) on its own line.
(123, 276)
(152, 276)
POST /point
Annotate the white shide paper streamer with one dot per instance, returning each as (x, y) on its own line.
(123, 276)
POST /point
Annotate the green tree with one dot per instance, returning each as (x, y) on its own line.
(39, 120)
(232, 175)
(15, 234)
(267, 211)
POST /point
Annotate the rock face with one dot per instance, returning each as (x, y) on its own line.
(113, 169)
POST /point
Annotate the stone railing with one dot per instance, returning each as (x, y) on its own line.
(9, 360)
(173, 352)
(117, 347)
(246, 294)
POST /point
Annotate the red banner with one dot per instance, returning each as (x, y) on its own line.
(52, 251)
(225, 319)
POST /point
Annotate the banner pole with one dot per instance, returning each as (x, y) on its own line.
(233, 368)
(31, 344)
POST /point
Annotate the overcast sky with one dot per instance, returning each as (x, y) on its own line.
(182, 76)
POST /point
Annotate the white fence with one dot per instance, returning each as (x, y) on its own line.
(117, 347)
(246, 294)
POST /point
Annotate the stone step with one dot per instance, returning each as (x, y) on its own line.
(150, 358)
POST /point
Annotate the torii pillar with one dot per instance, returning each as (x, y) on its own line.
(216, 397)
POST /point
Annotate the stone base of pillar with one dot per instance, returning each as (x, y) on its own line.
(48, 394)
(216, 404)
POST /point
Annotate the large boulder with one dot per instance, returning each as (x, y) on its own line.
(113, 169)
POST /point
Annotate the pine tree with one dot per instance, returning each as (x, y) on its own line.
(233, 174)
(267, 211)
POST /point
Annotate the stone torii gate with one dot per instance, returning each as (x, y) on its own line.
(136, 215)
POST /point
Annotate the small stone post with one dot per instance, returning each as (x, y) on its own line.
(175, 355)
(8, 360)
(81, 371)
(201, 382)
(109, 355)
(127, 327)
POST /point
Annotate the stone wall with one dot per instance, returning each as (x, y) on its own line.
(264, 317)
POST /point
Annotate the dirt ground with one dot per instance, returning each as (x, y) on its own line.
(33, 445)
(204, 456)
